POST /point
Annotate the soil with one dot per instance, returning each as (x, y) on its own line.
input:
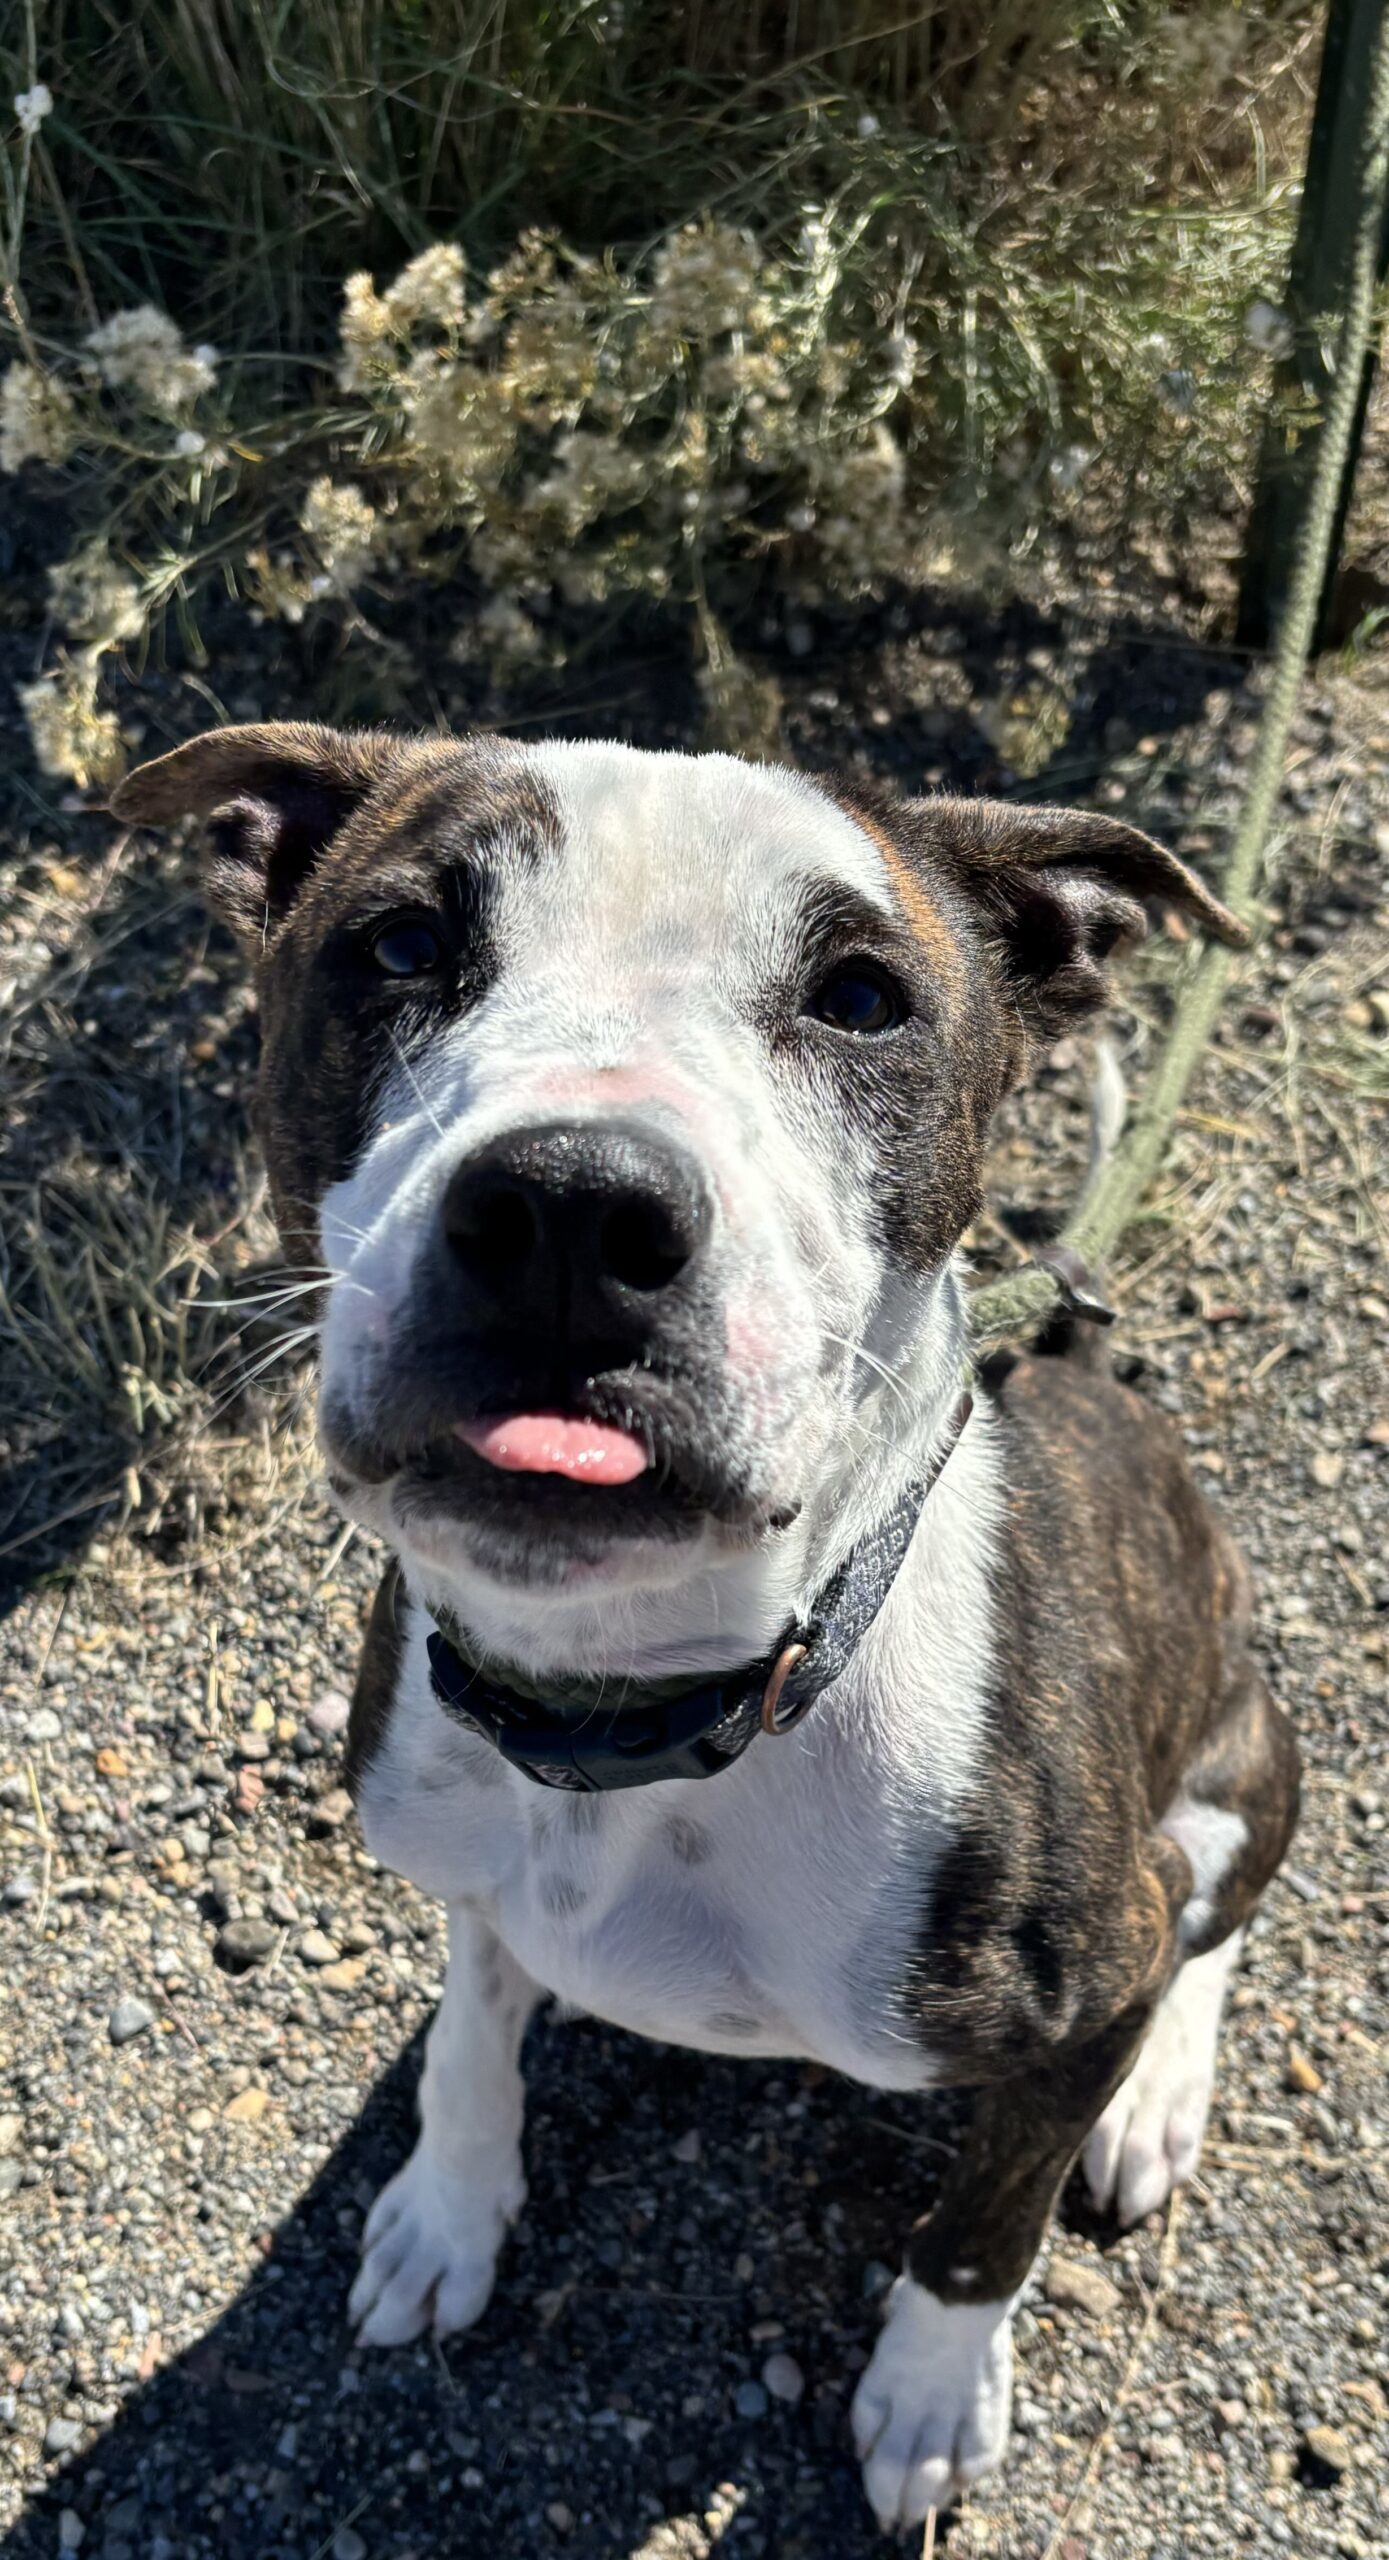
(186, 2150)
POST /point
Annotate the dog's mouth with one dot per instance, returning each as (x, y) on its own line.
(597, 1468)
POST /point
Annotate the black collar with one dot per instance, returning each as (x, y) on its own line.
(588, 1746)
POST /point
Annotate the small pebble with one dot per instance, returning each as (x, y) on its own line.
(1327, 2448)
(347, 2544)
(784, 2378)
(244, 1943)
(316, 1947)
(129, 2018)
(344, 1976)
(72, 2532)
(1075, 2287)
(330, 1712)
(247, 2107)
(688, 2147)
(750, 2400)
(331, 1811)
(61, 2434)
(45, 1725)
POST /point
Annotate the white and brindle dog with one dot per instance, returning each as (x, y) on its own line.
(737, 1681)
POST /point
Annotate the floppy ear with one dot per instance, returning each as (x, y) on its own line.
(1061, 892)
(276, 795)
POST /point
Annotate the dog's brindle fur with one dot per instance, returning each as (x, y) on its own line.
(1079, 1870)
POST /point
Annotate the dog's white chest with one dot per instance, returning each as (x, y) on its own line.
(770, 1910)
(773, 1909)
(702, 1923)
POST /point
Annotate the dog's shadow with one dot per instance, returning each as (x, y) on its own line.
(688, 2219)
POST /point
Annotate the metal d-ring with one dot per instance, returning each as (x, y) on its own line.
(782, 1668)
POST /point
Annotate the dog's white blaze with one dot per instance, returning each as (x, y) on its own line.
(770, 1910)
(1212, 1838)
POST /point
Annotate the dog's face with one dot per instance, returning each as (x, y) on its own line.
(632, 1106)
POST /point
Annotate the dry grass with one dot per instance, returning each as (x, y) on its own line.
(128, 1388)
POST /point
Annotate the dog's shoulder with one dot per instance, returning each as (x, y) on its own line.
(1108, 1533)
(1114, 1590)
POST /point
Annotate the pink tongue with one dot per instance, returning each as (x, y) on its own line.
(552, 1444)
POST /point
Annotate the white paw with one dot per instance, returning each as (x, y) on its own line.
(429, 2250)
(931, 2413)
(1148, 2140)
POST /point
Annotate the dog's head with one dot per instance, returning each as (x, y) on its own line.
(631, 1106)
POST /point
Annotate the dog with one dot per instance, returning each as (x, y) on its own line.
(749, 1674)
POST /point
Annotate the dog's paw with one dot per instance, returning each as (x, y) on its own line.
(429, 2249)
(931, 2413)
(1148, 2140)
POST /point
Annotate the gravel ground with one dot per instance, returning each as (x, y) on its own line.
(217, 2001)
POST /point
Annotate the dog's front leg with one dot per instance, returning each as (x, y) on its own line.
(429, 2250)
(931, 2412)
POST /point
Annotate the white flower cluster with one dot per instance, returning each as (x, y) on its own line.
(95, 600)
(142, 352)
(704, 281)
(70, 735)
(341, 526)
(38, 419)
(31, 106)
(596, 476)
(462, 425)
(431, 293)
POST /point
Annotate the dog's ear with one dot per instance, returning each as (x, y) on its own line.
(1061, 892)
(275, 795)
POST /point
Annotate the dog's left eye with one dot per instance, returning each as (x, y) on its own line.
(407, 947)
(858, 998)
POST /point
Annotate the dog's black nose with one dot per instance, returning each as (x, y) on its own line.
(575, 1226)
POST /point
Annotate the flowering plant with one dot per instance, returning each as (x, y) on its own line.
(565, 427)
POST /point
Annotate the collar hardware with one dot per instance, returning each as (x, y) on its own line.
(774, 1717)
(589, 1744)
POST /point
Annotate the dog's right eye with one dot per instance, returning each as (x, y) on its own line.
(858, 998)
(407, 947)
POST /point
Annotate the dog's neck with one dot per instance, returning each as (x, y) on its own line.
(729, 1610)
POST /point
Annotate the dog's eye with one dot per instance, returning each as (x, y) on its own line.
(407, 947)
(858, 998)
